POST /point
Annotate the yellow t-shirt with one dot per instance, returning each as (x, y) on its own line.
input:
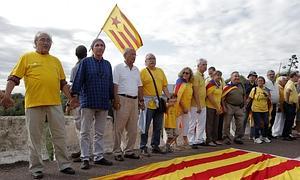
(170, 117)
(199, 82)
(148, 86)
(260, 101)
(184, 97)
(293, 95)
(42, 75)
(216, 91)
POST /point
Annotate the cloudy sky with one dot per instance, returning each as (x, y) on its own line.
(232, 35)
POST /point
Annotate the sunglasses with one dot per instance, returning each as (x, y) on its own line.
(187, 73)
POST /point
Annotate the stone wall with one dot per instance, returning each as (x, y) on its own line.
(13, 138)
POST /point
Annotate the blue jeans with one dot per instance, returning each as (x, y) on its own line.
(157, 125)
(258, 117)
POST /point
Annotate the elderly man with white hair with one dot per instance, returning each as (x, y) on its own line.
(196, 132)
(278, 125)
(272, 86)
(44, 79)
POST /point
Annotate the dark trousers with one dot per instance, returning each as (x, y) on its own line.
(259, 118)
(273, 114)
(290, 113)
(157, 125)
(212, 123)
(220, 127)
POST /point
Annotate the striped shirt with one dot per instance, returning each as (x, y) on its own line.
(94, 83)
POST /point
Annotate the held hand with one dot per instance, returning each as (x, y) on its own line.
(198, 110)
(219, 111)
(141, 105)
(116, 105)
(185, 111)
(74, 103)
(279, 110)
(7, 102)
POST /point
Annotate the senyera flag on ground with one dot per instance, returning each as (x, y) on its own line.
(225, 164)
(121, 31)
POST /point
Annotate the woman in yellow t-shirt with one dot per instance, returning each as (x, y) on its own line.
(213, 108)
(184, 92)
(260, 110)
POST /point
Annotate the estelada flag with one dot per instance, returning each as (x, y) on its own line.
(224, 164)
(121, 31)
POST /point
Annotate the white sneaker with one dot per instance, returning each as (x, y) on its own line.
(265, 139)
(257, 141)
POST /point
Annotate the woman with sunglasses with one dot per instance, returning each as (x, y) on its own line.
(184, 92)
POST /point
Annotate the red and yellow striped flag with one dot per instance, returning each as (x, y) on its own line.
(121, 31)
(225, 164)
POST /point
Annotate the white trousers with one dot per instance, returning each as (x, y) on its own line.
(196, 132)
(184, 120)
(278, 124)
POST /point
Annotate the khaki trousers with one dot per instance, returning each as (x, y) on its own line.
(35, 119)
(237, 113)
(126, 119)
(90, 118)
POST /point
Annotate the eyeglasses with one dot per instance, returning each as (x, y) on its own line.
(187, 73)
(151, 58)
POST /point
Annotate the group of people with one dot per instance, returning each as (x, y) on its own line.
(201, 108)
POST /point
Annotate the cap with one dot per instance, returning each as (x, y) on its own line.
(252, 73)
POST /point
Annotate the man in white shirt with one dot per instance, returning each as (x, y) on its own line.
(272, 86)
(127, 98)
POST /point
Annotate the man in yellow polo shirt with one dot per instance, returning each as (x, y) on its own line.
(198, 109)
(151, 102)
(290, 106)
(44, 79)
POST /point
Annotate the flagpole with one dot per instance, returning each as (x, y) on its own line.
(104, 24)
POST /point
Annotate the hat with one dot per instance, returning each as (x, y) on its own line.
(252, 73)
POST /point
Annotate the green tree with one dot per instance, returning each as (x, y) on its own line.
(18, 109)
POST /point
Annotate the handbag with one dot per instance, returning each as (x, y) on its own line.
(162, 107)
(249, 104)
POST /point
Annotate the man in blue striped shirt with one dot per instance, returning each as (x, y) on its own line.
(94, 85)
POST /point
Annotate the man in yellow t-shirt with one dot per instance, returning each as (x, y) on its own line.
(198, 106)
(151, 102)
(290, 106)
(44, 79)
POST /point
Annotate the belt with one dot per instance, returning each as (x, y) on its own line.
(125, 95)
(240, 105)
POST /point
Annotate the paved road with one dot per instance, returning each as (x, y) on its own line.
(19, 170)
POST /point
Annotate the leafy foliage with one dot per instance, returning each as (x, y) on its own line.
(19, 108)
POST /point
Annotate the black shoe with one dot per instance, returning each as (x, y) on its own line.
(145, 152)
(77, 159)
(119, 158)
(201, 144)
(288, 138)
(68, 170)
(238, 141)
(104, 162)
(292, 137)
(157, 150)
(37, 175)
(76, 155)
(132, 156)
(85, 164)
(194, 146)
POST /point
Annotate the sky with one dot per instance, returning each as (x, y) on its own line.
(232, 35)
